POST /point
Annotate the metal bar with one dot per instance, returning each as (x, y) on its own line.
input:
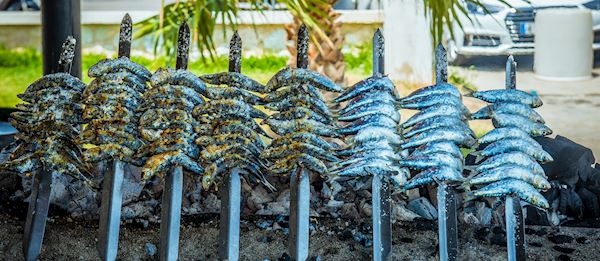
(183, 47)
(39, 203)
(447, 222)
(35, 225)
(229, 227)
(302, 47)
(299, 214)
(229, 233)
(60, 18)
(300, 181)
(170, 215)
(382, 224)
(125, 36)
(381, 196)
(515, 224)
(441, 65)
(446, 195)
(110, 212)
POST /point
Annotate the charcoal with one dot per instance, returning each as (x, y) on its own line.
(570, 159)
(536, 217)
(591, 207)
(566, 250)
(560, 239)
(423, 208)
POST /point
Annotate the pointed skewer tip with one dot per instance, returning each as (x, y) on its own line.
(126, 19)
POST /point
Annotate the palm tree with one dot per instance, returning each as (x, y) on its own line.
(324, 58)
(318, 15)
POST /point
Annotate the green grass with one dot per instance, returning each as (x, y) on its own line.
(20, 67)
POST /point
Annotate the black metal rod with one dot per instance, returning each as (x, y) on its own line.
(515, 224)
(381, 195)
(447, 222)
(183, 47)
(60, 18)
(170, 215)
(441, 65)
(173, 186)
(35, 225)
(299, 214)
(39, 203)
(446, 195)
(110, 209)
(300, 181)
(229, 227)
(110, 212)
(125, 36)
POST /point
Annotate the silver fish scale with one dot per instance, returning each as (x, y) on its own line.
(231, 115)
(372, 119)
(507, 164)
(49, 126)
(435, 135)
(166, 127)
(115, 80)
(302, 118)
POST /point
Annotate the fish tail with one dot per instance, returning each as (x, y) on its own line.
(469, 92)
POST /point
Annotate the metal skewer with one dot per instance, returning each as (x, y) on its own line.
(112, 197)
(173, 184)
(381, 196)
(39, 201)
(515, 225)
(229, 227)
(300, 180)
(446, 195)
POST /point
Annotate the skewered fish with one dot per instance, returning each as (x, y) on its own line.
(435, 135)
(112, 100)
(167, 127)
(231, 137)
(373, 125)
(48, 128)
(289, 76)
(508, 164)
(302, 118)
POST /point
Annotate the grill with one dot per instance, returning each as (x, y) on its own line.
(518, 21)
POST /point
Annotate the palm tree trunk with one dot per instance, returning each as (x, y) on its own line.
(328, 60)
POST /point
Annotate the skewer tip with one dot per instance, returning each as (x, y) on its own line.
(302, 47)
(67, 54)
(235, 53)
(511, 73)
(125, 36)
(441, 64)
(183, 46)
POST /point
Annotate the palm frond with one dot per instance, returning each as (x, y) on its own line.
(442, 13)
(202, 15)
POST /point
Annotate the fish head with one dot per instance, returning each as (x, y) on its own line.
(146, 175)
(537, 102)
(545, 131)
(207, 181)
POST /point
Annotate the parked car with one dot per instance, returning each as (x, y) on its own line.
(504, 30)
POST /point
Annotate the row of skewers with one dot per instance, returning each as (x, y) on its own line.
(208, 125)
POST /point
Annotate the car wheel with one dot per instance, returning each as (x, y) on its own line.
(454, 58)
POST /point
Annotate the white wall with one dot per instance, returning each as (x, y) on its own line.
(408, 48)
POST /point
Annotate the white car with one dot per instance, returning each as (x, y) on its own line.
(504, 30)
